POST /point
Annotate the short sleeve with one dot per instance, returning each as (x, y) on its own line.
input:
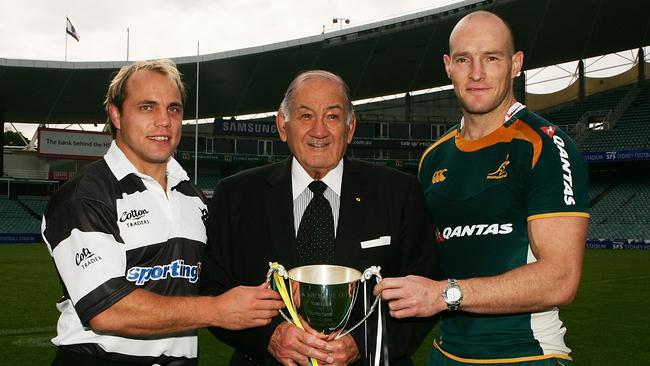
(84, 242)
(558, 183)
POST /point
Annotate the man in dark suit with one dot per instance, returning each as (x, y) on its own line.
(378, 216)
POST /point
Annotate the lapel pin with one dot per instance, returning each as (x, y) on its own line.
(358, 199)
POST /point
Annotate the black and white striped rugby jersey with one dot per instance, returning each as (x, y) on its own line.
(111, 230)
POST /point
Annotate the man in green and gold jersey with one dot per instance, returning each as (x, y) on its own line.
(507, 192)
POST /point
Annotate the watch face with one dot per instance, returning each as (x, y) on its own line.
(453, 294)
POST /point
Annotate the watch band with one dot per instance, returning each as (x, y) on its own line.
(452, 285)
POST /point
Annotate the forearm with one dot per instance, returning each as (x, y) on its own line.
(532, 287)
(143, 313)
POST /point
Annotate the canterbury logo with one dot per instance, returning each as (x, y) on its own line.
(500, 173)
(438, 176)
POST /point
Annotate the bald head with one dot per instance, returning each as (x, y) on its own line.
(484, 22)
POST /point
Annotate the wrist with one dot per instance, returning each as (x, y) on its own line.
(452, 295)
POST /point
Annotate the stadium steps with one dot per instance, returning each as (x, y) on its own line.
(630, 132)
(622, 212)
(28, 209)
(597, 190)
(15, 219)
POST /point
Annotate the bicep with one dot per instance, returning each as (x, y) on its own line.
(559, 244)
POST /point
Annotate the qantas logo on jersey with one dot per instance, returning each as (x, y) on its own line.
(176, 269)
(549, 130)
(135, 217)
(473, 230)
(566, 168)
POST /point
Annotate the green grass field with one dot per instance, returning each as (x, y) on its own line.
(608, 323)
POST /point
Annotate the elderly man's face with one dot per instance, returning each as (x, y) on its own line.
(316, 131)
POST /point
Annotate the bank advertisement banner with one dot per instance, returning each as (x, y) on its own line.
(59, 143)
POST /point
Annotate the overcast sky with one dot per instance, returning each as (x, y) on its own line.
(35, 29)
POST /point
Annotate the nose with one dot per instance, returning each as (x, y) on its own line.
(319, 128)
(163, 119)
(476, 72)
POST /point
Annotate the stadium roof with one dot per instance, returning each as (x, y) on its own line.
(388, 57)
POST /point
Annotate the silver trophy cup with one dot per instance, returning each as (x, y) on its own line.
(323, 295)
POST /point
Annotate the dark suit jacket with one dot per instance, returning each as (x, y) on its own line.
(251, 224)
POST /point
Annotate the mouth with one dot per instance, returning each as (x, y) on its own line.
(158, 138)
(477, 89)
(318, 145)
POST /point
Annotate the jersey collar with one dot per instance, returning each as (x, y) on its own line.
(121, 166)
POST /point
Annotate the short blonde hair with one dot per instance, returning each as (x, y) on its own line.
(116, 93)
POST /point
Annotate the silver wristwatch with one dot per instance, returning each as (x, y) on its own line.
(452, 295)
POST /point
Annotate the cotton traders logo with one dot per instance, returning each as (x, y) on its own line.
(86, 258)
(204, 215)
(474, 230)
(134, 217)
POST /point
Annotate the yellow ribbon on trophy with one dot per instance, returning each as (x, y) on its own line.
(286, 297)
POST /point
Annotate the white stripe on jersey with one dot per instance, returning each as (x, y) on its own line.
(140, 214)
(86, 260)
(70, 332)
(547, 327)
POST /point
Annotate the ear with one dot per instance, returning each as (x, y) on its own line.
(351, 127)
(114, 113)
(447, 61)
(517, 64)
(280, 124)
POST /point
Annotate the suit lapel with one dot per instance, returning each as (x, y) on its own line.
(279, 214)
(350, 212)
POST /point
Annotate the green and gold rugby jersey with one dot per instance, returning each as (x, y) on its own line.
(480, 195)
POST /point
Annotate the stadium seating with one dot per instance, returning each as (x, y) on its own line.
(35, 204)
(15, 219)
(621, 212)
(630, 132)
(208, 181)
(570, 114)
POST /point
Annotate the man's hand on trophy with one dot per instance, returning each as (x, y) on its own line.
(247, 306)
(411, 296)
(293, 346)
(344, 351)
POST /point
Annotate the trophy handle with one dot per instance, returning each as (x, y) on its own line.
(367, 275)
(282, 273)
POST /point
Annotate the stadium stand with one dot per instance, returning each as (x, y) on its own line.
(620, 211)
(571, 114)
(208, 181)
(35, 204)
(15, 219)
(629, 132)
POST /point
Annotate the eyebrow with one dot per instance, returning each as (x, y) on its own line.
(489, 52)
(333, 106)
(172, 104)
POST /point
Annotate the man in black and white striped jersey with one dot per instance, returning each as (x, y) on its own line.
(127, 235)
